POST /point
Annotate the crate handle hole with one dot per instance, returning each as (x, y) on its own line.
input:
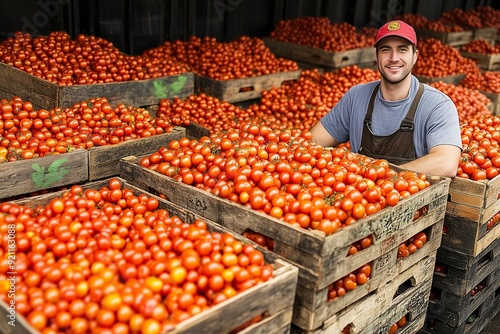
(404, 287)
(259, 238)
(246, 89)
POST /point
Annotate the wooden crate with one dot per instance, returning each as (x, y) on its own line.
(483, 316)
(236, 90)
(489, 34)
(462, 272)
(321, 57)
(406, 294)
(454, 310)
(488, 62)
(52, 171)
(450, 79)
(451, 38)
(321, 260)
(48, 95)
(104, 161)
(313, 307)
(495, 100)
(226, 316)
(196, 131)
(471, 204)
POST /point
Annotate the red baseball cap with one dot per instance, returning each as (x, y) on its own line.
(397, 28)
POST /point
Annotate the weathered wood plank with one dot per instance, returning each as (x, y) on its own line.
(237, 90)
(320, 57)
(32, 175)
(104, 161)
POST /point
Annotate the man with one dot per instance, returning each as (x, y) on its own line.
(410, 124)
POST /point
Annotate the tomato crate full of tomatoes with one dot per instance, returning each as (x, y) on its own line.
(488, 62)
(137, 263)
(472, 213)
(242, 89)
(320, 57)
(48, 95)
(454, 38)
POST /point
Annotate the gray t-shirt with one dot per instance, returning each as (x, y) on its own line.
(436, 119)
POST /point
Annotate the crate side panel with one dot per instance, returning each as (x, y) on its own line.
(135, 93)
(30, 176)
(105, 160)
(42, 93)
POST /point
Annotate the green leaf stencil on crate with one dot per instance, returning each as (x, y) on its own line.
(162, 92)
(44, 179)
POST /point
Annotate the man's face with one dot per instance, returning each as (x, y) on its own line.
(395, 58)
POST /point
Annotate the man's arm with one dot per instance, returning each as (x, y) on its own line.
(321, 137)
(442, 160)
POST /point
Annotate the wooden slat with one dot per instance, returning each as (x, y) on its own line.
(52, 171)
(451, 38)
(104, 161)
(320, 57)
(489, 62)
(385, 306)
(42, 93)
(237, 90)
(467, 236)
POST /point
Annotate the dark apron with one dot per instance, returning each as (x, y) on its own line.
(396, 148)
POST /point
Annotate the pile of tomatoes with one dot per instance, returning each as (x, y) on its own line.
(26, 132)
(349, 282)
(480, 148)
(97, 260)
(411, 245)
(470, 103)
(433, 53)
(396, 326)
(240, 58)
(481, 46)
(204, 110)
(84, 60)
(319, 32)
(487, 81)
(301, 103)
(285, 175)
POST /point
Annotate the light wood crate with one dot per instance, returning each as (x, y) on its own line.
(471, 204)
(244, 89)
(316, 56)
(48, 95)
(223, 317)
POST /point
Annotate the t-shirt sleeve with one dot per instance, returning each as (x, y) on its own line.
(337, 120)
(443, 126)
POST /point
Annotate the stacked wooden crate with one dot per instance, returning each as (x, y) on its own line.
(465, 285)
(322, 260)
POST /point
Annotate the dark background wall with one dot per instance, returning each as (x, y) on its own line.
(136, 25)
